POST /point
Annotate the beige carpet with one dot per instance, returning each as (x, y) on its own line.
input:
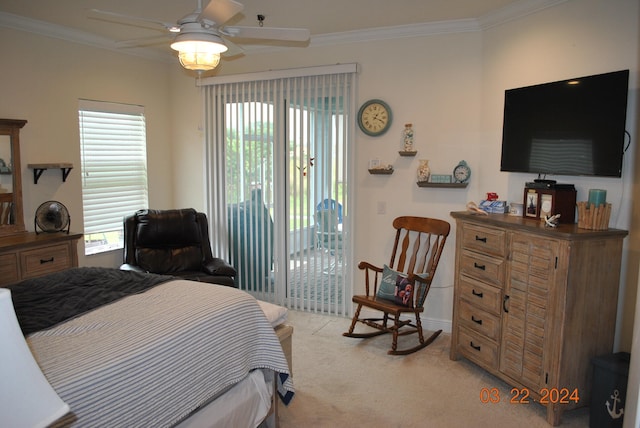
(345, 382)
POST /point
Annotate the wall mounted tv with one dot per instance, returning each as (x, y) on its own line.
(570, 127)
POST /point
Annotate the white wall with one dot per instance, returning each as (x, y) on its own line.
(562, 42)
(187, 152)
(41, 81)
(632, 404)
(570, 40)
(451, 87)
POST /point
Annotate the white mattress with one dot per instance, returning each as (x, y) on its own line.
(244, 405)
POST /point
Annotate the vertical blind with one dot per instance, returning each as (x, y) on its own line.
(114, 163)
(277, 151)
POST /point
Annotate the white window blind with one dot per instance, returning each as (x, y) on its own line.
(278, 169)
(114, 170)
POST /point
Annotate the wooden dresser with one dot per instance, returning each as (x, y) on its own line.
(27, 255)
(533, 305)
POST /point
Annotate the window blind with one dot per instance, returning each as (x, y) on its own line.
(278, 160)
(114, 165)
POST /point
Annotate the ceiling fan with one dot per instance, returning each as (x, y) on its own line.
(201, 36)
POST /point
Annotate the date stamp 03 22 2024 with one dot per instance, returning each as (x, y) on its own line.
(523, 396)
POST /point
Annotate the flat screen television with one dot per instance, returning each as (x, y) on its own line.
(571, 127)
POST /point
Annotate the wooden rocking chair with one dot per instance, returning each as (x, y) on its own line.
(416, 252)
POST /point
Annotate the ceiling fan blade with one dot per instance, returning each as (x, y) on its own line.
(220, 11)
(270, 33)
(131, 20)
(233, 49)
(144, 41)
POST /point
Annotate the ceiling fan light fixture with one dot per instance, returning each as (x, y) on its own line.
(199, 61)
(198, 42)
(199, 51)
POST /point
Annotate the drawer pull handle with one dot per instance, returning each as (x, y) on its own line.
(477, 266)
(481, 239)
(504, 304)
(477, 348)
(477, 293)
(42, 261)
(473, 318)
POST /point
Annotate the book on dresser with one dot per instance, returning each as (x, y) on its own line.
(533, 305)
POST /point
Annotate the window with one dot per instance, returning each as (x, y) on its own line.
(114, 170)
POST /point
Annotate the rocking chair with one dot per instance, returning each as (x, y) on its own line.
(402, 286)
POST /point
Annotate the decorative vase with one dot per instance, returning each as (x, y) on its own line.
(407, 137)
(424, 172)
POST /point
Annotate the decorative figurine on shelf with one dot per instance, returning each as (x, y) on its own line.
(424, 172)
(407, 137)
(552, 221)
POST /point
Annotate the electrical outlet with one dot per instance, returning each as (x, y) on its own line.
(382, 207)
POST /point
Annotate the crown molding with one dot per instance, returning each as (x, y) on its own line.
(505, 14)
(46, 29)
(515, 11)
(500, 16)
(396, 32)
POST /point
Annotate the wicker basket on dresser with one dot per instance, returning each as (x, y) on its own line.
(533, 305)
(30, 255)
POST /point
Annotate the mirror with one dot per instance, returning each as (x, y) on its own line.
(11, 214)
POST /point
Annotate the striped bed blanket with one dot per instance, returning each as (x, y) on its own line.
(152, 358)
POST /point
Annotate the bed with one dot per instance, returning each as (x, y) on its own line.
(130, 349)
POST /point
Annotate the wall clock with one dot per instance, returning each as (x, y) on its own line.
(462, 172)
(374, 117)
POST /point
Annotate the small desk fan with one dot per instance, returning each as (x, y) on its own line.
(51, 217)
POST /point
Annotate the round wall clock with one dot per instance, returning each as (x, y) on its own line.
(461, 172)
(374, 117)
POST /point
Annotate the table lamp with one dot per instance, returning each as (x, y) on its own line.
(26, 397)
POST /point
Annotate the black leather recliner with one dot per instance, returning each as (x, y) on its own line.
(173, 242)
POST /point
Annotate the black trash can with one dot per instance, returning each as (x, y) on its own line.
(609, 390)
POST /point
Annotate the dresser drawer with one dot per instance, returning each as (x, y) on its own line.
(478, 320)
(480, 294)
(484, 268)
(8, 268)
(486, 240)
(44, 260)
(477, 348)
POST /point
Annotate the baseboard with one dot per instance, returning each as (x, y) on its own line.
(430, 324)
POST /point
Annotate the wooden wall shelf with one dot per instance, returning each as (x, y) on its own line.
(39, 168)
(408, 153)
(381, 171)
(449, 185)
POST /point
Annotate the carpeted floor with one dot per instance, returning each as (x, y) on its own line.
(317, 278)
(345, 382)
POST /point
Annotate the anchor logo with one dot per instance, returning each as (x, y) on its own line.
(614, 412)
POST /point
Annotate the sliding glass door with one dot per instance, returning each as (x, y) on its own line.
(282, 144)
